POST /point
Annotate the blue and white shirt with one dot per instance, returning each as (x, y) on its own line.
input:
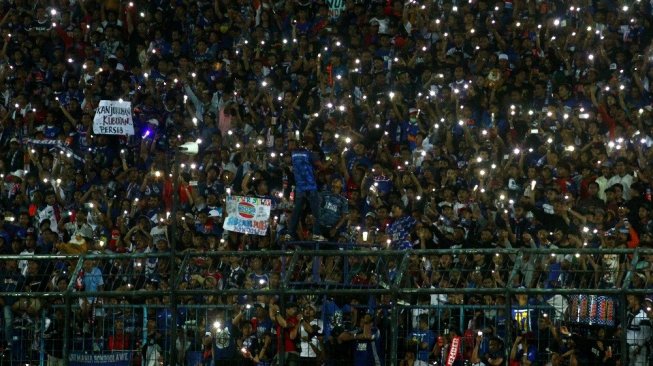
(399, 232)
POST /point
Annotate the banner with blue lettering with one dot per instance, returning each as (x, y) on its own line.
(117, 358)
(248, 215)
(113, 117)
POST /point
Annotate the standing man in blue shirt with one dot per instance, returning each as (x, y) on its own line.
(304, 163)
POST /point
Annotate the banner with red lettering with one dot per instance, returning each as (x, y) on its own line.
(453, 351)
(248, 215)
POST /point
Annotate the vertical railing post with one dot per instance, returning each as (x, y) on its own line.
(394, 331)
(623, 309)
(316, 264)
(623, 317)
(394, 321)
(173, 260)
(509, 324)
(282, 304)
(145, 308)
(42, 339)
(68, 310)
(66, 327)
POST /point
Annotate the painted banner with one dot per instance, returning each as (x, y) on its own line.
(113, 117)
(248, 215)
(118, 358)
(453, 351)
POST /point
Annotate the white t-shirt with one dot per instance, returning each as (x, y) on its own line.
(307, 350)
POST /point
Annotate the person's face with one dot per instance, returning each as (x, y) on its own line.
(445, 261)
(563, 92)
(30, 242)
(336, 185)
(291, 311)
(459, 73)
(247, 330)
(359, 149)
(494, 345)
(620, 168)
(382, 213)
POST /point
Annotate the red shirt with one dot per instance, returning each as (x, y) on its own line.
(119, 342)
(290, 345)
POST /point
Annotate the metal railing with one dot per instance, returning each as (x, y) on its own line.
(137, 291)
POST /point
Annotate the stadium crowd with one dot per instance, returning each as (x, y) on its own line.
(393, 125)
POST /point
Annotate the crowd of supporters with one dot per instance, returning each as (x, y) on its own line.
(373, 125)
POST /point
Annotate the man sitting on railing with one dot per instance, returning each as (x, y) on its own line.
(333, 210)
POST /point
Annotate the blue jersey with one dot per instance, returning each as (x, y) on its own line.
(423, 336)
(352, 159)
(302, 166)
(399, 232)
(264, 327)
(332, 208)
(409, 131)
(366, 352)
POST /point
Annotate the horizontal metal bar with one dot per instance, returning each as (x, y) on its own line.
(528, 291)
(85, 256)
(336, 291)
(358, 252)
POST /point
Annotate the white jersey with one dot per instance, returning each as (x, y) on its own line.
(306, 349)
(639, 329)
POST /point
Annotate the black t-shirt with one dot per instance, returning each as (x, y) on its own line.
(596, 354)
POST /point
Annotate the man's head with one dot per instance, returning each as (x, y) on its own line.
(336, 185)
(397, 211)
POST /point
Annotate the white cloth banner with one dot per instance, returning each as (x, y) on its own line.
(113, 117)
(249, 215)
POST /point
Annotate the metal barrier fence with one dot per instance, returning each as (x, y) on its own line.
(389, 306)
